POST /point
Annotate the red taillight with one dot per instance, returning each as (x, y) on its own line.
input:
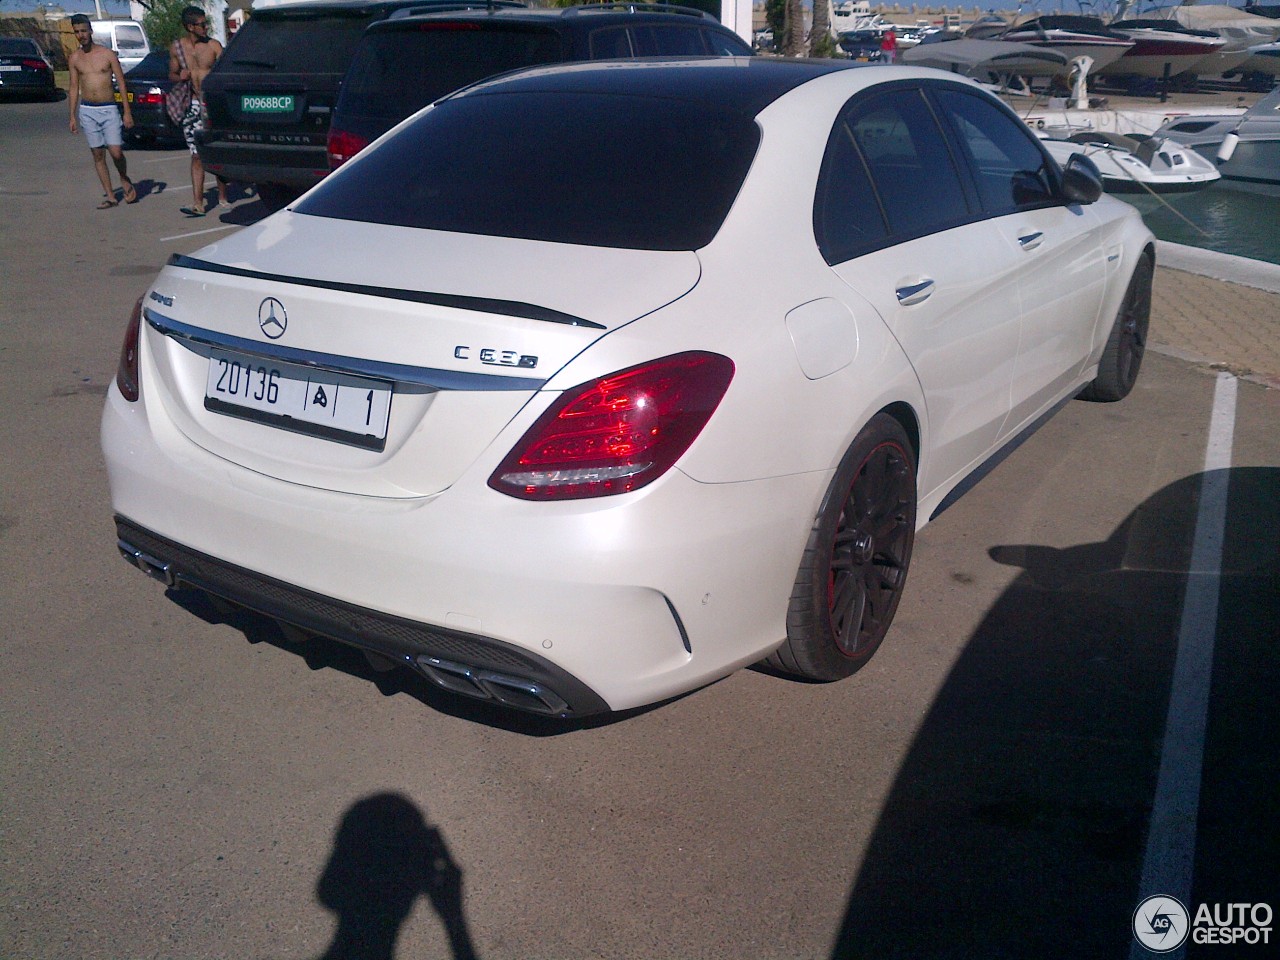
(343, 146)
(150, 98)
(618, 433)
(127, 372)
(35, 64)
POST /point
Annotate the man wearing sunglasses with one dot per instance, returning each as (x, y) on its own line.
(190, 59)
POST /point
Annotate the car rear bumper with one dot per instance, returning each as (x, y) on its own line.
(294, 165)
(605, 604)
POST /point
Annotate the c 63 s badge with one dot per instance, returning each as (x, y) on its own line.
(495, 357)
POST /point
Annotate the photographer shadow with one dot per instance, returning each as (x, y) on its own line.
(385, 856)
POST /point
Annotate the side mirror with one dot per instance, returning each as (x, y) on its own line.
(1081, 180)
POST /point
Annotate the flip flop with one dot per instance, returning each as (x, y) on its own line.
(130, 194)
(108, 204)
(192, 211)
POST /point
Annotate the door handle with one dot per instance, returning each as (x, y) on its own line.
(1031, 240)
(915, 292)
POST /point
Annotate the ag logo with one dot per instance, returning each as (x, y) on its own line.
(1161, 924)
(272, 320)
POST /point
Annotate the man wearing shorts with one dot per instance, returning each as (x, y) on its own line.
(190, 59)
(93, 108)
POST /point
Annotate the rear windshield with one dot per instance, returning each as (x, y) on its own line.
(298, 43)
(18, 47)
(614, 171)
(396, 73)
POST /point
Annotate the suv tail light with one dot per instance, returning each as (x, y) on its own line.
(618, 433)
(127, 371)
(343, 146)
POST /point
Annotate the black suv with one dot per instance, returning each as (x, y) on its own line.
(410, 60)
(271, 95)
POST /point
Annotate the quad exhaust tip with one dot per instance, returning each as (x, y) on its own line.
(152, 567)
(487, 685)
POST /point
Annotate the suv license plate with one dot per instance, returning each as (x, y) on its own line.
(266, 103)
(335, 406)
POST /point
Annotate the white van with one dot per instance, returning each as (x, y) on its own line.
(125, 37)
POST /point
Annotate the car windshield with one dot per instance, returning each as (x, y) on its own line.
(18, 47)
(396, 73)
(294, 42)
(637, 172)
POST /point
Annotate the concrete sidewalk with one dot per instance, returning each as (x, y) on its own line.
(1217, 310)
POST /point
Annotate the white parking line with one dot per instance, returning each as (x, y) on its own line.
(133, 158)
(196, 233)
(1171, 841)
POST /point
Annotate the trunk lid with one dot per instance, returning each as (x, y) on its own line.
(432, 341)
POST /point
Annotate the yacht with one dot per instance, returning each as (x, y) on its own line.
(1164, 48)
(1072, 36)
(1245, 147)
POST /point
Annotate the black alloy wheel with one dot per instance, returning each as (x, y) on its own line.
(1122, 356)
(855, 565)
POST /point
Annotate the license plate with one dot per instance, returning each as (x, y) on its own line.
(266, 103)
(335, 406)
(8, 68)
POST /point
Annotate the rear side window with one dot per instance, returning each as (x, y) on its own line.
(1011, 171)
(610, 43)
(315, 43)
(847, 219)
(396, 73)
(614, 171)
(910, 164)
(667, 40)
(129, 37)
(18, 47)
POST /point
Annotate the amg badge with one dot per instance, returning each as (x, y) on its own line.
(495, 357)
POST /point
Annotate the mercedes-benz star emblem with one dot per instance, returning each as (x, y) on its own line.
(272, 320)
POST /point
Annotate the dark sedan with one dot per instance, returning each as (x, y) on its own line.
(24, 70)
(146, 86)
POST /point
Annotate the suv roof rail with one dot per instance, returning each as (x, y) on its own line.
(414, 9)
(638, 6)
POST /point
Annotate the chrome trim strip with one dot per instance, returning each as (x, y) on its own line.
(506, 308)
(395, 372)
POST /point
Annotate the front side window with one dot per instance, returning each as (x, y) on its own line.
(614, 171)
(1011, 170)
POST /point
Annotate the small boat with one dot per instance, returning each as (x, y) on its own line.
(1264, 58)
(1141, 170)
(1072, 36)
(1245, 147)
(979, 58)
(1163, 48)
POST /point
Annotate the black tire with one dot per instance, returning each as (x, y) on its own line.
(1122, 356)
(855, 563)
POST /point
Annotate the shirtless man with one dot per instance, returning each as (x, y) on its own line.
(93, 108)
(190, 59)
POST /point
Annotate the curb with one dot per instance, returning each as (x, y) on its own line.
(1219, 266)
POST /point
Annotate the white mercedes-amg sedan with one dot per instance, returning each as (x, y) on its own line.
(591, 384)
